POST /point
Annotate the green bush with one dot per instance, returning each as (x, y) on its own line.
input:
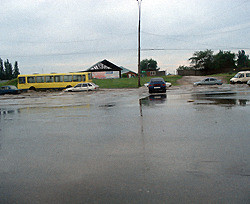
(131, 82)
(10, 82)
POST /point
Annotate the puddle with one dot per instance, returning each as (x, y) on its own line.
(154, 99)
(9, 111)
(107, 105)
(223, 98)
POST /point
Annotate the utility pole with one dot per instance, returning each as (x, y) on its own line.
(139, 44)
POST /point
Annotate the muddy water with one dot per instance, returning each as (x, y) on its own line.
(124, 146)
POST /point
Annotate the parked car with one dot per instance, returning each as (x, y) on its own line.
(157, 85)
(240, 77)
(9, 90)
(168, 84)
(83, 87)
(248, 82)
(208, 81)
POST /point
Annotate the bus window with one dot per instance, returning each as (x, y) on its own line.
(21, 80)
(67, 78)
(49, 79)
(40, 79)
(90, 76)
(58, 78)
(31, 79)
(77, 78)
(83, 78)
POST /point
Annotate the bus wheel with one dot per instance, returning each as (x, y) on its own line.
(68, 86)
(32, 88)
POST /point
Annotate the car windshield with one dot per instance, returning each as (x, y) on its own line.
(78, 85)
(237, 75)
(156, 79)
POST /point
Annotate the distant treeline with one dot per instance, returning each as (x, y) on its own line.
(6, 70)
(222, 62)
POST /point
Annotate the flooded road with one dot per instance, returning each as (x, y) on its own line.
(124, 146)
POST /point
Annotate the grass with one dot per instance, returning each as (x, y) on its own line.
(10, 82)
(131, 82)
(116, 83)
(226, 76)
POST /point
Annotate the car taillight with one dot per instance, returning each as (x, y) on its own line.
(149, 85)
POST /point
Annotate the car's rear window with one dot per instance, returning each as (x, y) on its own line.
(156, 79)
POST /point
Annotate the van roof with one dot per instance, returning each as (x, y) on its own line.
(244, 72)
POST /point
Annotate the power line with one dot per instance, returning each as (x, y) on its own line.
(70, 41)
(126, 50)
(195, 35)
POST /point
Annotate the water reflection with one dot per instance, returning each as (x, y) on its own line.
(220, 98)
(9, 111)
(229, 102)
(146, 168)
(151, 100)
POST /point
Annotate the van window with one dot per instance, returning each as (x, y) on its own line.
(248, 74)
(236, 75)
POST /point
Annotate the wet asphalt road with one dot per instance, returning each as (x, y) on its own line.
(124, 146)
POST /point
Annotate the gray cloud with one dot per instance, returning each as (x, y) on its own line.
(72, 35)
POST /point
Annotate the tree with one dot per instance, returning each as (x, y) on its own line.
(2, 74)
(16, 70)
(224, 61)
(202, 60)
(182, 67)
(149, 64)
(243, 59)
(8, 70)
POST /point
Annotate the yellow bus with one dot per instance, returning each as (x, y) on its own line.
(52, 81)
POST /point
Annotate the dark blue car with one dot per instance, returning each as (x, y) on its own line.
(9, 90)
(157, 85)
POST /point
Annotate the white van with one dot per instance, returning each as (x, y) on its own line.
(240, 77)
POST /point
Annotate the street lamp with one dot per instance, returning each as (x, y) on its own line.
(139, 44)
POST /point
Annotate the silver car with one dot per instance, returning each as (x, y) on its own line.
(83, 87)
(208, 81)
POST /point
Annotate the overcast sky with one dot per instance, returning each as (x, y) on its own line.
(70, 35)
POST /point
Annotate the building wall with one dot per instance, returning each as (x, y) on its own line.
(131, 74)
(155, 73)
(190, 73)
(106, 75)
